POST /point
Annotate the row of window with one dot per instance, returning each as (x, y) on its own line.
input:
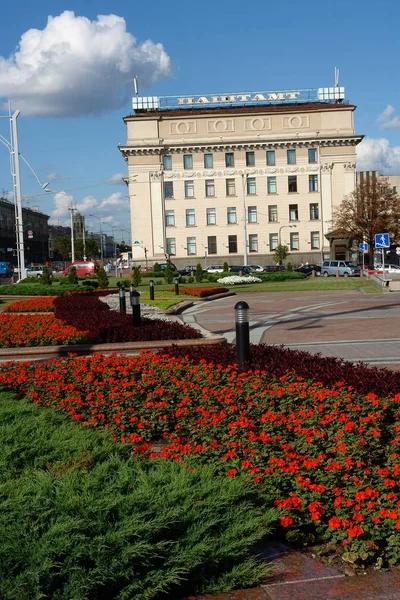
(251, 186)
(291, 159)
(232, 246)
(231, 214)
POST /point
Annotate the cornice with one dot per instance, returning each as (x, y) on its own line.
(193, 148)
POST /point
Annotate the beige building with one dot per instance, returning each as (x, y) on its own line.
(228, 178)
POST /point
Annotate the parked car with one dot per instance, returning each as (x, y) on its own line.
(256, 268)
(274, 268)
(243, 269)
(391, 269)
(346, 268)
(187, 270)
(6, 269)
(308, 269)
(83, 268)
(34, 271)
(215, 269)
(163, 266)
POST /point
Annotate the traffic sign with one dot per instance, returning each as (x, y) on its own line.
(136, 243)
(30, 234)
(363, 247)
(382, 240)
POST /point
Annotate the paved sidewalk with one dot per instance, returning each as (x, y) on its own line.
(346, 324)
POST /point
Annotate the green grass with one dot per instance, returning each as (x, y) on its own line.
(311, 284)
(81, 519)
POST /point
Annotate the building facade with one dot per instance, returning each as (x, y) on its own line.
(229, 178)
(36, 234)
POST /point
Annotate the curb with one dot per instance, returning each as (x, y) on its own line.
(178, 309)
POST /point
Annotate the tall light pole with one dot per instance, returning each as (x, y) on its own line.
(280, 229)
(71, 209)
(101, 235)
(244, 182)
(114, 244)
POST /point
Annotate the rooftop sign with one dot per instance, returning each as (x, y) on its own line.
(330, 94)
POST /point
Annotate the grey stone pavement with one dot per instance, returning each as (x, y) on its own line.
(347, 324)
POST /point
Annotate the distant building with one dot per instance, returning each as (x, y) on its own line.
(36, 233)
(394, 180)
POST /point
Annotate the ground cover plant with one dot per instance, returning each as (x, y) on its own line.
(203, 292)
(81, 519)
(328, 457)
(33, 305)
(17, 330)
(238, 280)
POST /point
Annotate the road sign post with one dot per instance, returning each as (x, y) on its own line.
(363, 248)
(382, 241)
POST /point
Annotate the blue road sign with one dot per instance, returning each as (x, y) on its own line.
(363, 247)
(382, 240)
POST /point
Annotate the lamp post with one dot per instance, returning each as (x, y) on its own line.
(282, 227)
(114, 244)
(71, 209)
(244, 181)
(101, 235)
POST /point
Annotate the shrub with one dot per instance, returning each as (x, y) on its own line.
(203, 292)
(90, 284)
(190, 279)
(289, 268)
(125, 283)
(156, 267)
(72, 276)
(238, 280)
(46, 277)
(183, 280)
(82, 519)
(168, 274)
(226, 267)
(281, 276)
(102, 278)
(36, 289)
(136, 276)
(199, 273)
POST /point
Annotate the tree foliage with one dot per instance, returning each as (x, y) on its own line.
(62, 245)
(91, 249)
(281, 253)
(372, 208)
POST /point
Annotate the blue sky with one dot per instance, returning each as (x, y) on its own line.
(72, 104)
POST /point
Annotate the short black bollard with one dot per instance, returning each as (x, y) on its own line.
(122, 300)
(131, 290)
(242, 333)
(176, 282)
(135, 296)
(151, 289)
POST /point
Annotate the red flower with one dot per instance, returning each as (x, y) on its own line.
(334, 523)
(286, 521)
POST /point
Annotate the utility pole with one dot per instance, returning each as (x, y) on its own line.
(71, 209)
(17, 193)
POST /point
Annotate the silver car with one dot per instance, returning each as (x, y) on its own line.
(345, 268)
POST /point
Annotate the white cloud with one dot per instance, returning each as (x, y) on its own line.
(75, 66)
(378, 155)
(388, 119)
(116, 178)
(62, 202)
(55, 177)
(115, 200)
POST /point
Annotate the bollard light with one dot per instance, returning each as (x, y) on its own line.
(242, 333)
(135, 298)
(176, 281)
(151, 289)
(131, 290)
(122, 300)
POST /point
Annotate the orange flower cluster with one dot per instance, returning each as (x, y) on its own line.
(40, 304)
(18, 330)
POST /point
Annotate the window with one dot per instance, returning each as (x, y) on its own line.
(252, 214)
(314, 212)
(313, 183)
(167, 162)
(314, 240)
(271, 185)
(271, 158)
(171, 246)
(293, 212)
(190, 217)
(312, 155)
(212, 244)
(292, 183)
(232, 244)
(253, 242)
(187, 161)
(272, 213)
(231, 214)
(210, 187)
(208, 161)
(294, 241)
(211, 216)
(169, 218)
(273, 241)
(168, 189)
(291, 157)
(250, 159)
(189, 189)
(229, 159)
(191, 245)
(251, 185)
(394, 190)
(230, 187)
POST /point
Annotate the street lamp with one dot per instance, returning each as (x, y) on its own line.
(244, 181)
(101, 235)
(114, 244)
(280, 229)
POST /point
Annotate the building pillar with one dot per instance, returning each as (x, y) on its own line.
(349, 177)
(157, 213)
(326, 207)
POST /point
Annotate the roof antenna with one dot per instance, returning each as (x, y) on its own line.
(337, 75)
(135, 85)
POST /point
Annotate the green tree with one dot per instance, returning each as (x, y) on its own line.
(226, 267)
(46, 277)
(136, 276)
(199, 273)
(281, 253)
(102, 278)
(372, 208)
(62, 245)
(168, 274)
(91, 249)
(156, 267)
(73, 277)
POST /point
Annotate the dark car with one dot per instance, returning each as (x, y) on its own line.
(244, 270)
(188, 270)
(163, 266)
(308, 269)
(274, 268)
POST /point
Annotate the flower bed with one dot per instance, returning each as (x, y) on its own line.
(39, 330)
(33, 305)
(204, 292)
(238, 280)
(106, 326)
(327, 457)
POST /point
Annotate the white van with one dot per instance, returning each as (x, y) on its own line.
(346, 269)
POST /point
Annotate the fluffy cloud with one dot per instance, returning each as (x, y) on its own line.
(115, 200)
(117, 178)
(75, 66)
(388, 119)
(55, 177)
(377, 154)
(107, 210)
